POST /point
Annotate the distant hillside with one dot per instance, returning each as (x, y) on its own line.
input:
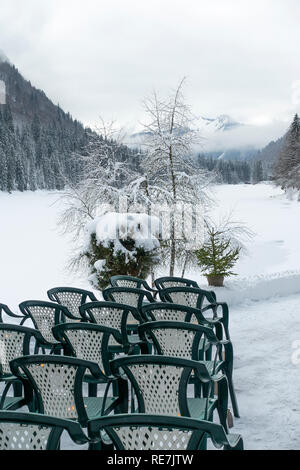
(268, 155)
(37, 137)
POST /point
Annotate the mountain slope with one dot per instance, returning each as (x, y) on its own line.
(37, 137)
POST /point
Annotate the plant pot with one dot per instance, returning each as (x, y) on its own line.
(216, 281)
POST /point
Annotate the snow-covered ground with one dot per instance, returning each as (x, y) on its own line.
(266, 338)
(264, 298)
(272, 266)
(33, 254)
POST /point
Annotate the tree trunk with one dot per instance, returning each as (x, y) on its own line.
(184, 265)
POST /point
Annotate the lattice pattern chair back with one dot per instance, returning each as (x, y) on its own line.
(166, 282)
(30, 431)
(152, 438)
(160, 383)
(173, 342)
(132, 282)
(112, 315)
(189, 296)
(161, 311)
(177, 339)
(159, 387)
(126, 283)
(71, 298)
(44, 316)
(161, 433)
(128, 296)
(57, 382)
(88, 342)
(14, 343)
(17, 436)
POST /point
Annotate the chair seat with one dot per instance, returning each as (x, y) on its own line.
(13, 403)
(134, 339)
(8, 378)
(197, 407)
(94, 405)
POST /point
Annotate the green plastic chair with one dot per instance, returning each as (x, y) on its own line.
(90, 342)
(163, 311)
(173, 312)
(194, 298)
(135, 298)
(179, 339)
(117, 316)
(72, 298)
(161, 433)
(57, 382)
(160, 386)
(31, 431)
(130, 281)
(15, 342)
(45, 315)
(165, 282)
(5, 309)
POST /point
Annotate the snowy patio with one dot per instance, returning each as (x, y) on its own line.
(264, 299)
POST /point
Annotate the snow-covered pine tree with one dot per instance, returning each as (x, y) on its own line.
(257, 172)
(287, 167)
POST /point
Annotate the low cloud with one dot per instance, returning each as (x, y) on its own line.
(244, 136)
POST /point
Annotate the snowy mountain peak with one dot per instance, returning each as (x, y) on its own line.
(221, 123)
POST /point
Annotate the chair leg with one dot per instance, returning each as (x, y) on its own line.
(92, 390)
(123, 394)
(18, 389)
(222, 404)
(228, 370)
(233, 397)
(203, 443)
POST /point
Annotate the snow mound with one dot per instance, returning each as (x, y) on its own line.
(258, 288)
(141, 228)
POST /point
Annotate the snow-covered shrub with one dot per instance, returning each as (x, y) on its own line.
(121, 244)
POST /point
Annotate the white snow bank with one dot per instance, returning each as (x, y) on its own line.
(257, 288)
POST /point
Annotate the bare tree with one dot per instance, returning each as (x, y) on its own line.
(172, 176)
(106, 173)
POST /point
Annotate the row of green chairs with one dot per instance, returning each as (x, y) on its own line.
(158, 334)
(30, 431)
(57, 381)
(45, 315)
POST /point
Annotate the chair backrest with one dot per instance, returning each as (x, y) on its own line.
(31, 431)
(44, 316)
(160, 433)
(14, 343)
(177, 339)
(72, 298)
(127, 296)
(160, 311)
(57, 383)
(6, 310)
(165, 282)
(160, 383)
(88, 341)
(189, 296)
(112, 315)
(129, 281)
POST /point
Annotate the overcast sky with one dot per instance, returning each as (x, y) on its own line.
(96, 57)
